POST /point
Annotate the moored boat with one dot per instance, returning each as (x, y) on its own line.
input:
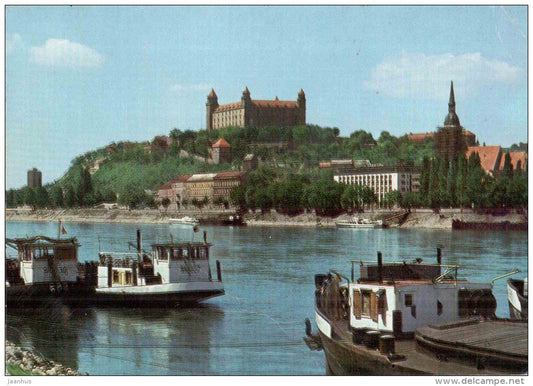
(175, 273)
(44, 269)
(187, 220)
(517, 297)
(409, 318)
(360, 223)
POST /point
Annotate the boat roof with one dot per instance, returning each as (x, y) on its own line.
(40, 241)
(409, 282)
(182, 244)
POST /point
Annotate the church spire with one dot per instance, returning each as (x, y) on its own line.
(451, 103)
(452, 119)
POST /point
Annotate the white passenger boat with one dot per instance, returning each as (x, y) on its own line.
(187, 220)
(360, 223)
(174, 274)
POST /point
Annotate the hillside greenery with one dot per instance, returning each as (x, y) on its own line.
(288, 179)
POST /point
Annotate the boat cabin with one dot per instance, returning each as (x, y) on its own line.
(42, 260)
(400, 297)
(169, 263)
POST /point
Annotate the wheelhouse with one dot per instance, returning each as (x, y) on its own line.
(44, 260)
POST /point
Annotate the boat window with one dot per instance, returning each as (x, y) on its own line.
(185, 253)
(26, 254)
(357, 304)
(177, 253)
(39, 253)
(408, 300)
(129, 277)
(439, 308)
(202, 253)
(162, 253)
(365, 309)
(116, 277)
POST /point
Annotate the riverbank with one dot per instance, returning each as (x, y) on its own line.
(420, 218)
(31, 363)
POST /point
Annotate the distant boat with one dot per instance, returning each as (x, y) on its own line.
(359, 223)
(185, 220)
(517, 297)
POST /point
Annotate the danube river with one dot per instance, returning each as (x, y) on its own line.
(257, 327)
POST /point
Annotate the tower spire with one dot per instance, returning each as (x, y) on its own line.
(451, 103)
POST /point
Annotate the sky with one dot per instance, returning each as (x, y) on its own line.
(79, 78)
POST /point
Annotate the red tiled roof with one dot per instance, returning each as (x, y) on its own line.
(515, 157)
(221, 143)
(324, 165)
(228, 106)
(182, 178)
(420, 136)
(275, 103)
(487, 154)
(228, 175)
(168, 185)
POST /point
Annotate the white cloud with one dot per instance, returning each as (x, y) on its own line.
(64, 53)
(418, 76)
(194, 87)
(13, 42)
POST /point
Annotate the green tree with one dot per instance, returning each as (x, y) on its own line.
(238, 197)
(325, 197)
(392, 198)
(70, 197)
(56, 196)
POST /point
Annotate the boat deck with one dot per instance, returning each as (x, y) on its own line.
(508, 337)
(500, 337)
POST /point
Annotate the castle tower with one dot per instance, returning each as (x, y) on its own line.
(210, 106)
(246, 104)
(301, 108)
(221, 152)
(449, 141)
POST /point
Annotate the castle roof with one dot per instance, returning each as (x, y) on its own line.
(212, 94)
(275, 103)
(228, 107)
(488, 155)
(221, 143)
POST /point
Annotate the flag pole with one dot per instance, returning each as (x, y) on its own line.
(59, 230)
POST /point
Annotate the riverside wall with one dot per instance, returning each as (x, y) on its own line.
(419, 218)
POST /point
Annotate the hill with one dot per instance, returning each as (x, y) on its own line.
(130, 169)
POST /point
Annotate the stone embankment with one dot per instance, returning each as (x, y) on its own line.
(28, 361)
(419, 218)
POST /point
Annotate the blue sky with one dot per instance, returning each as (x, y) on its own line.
(79, 78)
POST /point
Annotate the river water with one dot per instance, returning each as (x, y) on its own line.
(257, 327)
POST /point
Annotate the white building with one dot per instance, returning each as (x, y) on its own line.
(382, 179)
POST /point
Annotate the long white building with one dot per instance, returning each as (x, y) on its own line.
(382, 179)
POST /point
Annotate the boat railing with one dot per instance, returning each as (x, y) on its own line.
(449, 269)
